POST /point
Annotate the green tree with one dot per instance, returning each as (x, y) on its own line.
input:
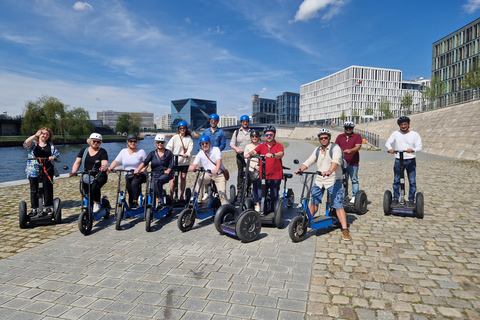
(127, 124)
(432, 93)
(46, 111)
(369, 111)
(78, 122)
(385, 108)
(472, 78)
(406, 103)
(343, 116)
(355, 115)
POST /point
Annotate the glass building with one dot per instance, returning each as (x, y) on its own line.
(287, 110)
(263, 110)
(194, 111)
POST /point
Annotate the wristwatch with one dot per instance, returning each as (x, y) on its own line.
(273, 155)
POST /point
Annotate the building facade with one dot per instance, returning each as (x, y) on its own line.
(356, 92)
(110, 118)
(164, 122)
(287, 108)
(227, 121)
(195, 112)
(452, 57)
(263, 110)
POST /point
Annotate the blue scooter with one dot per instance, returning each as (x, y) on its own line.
(152, 209)
(122, 209)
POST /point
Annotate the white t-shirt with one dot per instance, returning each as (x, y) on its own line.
(131, 161)
(214, 154)
(404, 141)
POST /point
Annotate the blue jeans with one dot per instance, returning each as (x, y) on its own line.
(272, 187)
(410, 166)
(352, 172)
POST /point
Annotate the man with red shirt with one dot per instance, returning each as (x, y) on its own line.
(273, 152)
(350, 143)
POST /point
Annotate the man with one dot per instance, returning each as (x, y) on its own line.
(273, 152)
(240, 139)
(408, 140)
(350, 143)
(216, 135)
(330, 178)
(211, 159)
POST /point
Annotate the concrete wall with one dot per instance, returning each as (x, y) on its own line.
(452, 131)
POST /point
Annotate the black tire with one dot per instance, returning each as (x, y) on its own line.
(148, 218)
(106, 206)
(188, 194)
(22, 215)
(57, 210)
(419, 205)
(361, 202)
(387, 202)
(249, 204)
(186, 220)
(296, 230)
(291, 198)
(248, 226)
(85, 221)
(119, 215)
(233, 194)
(225, 213)
(216, 204)
(279, 213)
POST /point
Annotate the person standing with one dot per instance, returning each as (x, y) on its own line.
(409, 141)
(329, 179)
(253, 168)
(351, 143)
(240, 139)
(216, 135)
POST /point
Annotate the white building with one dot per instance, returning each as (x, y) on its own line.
(110, 118)
(164, 122)
(354, 90)
(226, 121)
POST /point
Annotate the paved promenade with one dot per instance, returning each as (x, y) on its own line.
(394, 268)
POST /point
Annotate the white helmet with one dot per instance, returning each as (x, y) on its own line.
(96, 136)
(324, 131)
(348, 124)
(160, 137)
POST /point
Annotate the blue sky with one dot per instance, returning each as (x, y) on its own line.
(139, 55)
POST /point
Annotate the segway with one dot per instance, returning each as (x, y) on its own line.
(402, 207)
(299, 225)
(41, 215)
(87, 216)
(152, 209)
(240, 221)
(176, 202)
(360, 203)
(186, 218)
(122, 209)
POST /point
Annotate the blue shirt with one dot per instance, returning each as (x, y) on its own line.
(217, 138)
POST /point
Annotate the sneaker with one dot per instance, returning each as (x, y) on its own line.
(205, 196)
(96, 207)
(257, 208)
(33, 212)
(134, 206)
(346, 235)
(159, 207)
(48, 210)
(352, 200)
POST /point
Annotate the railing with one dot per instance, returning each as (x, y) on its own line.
(372, 138)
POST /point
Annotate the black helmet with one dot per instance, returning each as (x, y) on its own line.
(132, 136)
(269, 128)
(403, 119)
(254, 133)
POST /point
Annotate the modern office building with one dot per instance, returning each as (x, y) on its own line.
(355, 91)
(164, 122)
(227, 121)
(452, 57)
(263, 110)
(194, 111)
(287, 108)
(110, 118)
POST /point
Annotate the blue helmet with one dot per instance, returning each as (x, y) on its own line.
(269, 128)
(182, 123)
(214, 116)
(203, 139)
(244, 117)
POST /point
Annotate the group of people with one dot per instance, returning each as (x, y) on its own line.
(245, 142)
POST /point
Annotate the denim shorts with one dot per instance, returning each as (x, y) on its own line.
(335, 192)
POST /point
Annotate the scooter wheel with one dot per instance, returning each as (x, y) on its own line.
(296, 230)
(188, 194)
(291, 198)
(186, 220)
(119, 215)
(225, 213)
(106, 205)
(361, 202)
(233, 194)
(249, 204)
(248, 226)
(57, 210)
(85, 222)
(419, 205)
(387, 202)
(279, 213)
(148, 218)
(22, 215)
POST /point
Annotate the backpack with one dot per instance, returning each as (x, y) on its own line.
(333, 145)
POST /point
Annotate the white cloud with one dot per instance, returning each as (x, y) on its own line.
(264, 90)
(309, 9)
(81, 6)
(471, 6)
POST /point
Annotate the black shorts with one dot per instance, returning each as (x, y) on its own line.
(183, 169)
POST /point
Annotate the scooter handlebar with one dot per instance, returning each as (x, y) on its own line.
(43, 158)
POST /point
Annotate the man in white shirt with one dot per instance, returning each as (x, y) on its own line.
(409, 141)
(211, 159)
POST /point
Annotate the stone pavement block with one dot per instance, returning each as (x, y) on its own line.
(241, 311)
(217, 308)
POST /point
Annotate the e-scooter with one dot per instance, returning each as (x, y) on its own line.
(152, 209)
(186, 218)
(402, 207)
(41, 215)
(122, 209)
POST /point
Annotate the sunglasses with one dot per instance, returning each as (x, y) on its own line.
(158, 142)
(204, 143)
(323, 138)
(132, 141)
(269, 135)
(96, 141)
(348, 128)
(255, 137)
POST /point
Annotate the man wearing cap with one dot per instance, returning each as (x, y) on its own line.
(240, 139)
(351, 143)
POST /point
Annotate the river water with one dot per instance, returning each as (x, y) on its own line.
(13, 159)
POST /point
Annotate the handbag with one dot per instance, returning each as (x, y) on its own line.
(254, 175)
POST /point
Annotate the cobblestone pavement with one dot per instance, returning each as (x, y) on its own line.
(394, 268)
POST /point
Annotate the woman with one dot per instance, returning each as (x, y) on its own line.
(40, 146)
(131, 157)
(162, 166)
(255, 138)
(87, 156)
(181, 144)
